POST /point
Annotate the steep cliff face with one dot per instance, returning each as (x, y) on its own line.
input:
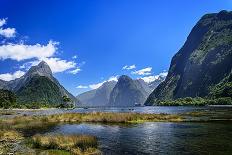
(126, 93)
(202, 63)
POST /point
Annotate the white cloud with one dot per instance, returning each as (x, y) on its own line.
(2, 22)
(145, 71)
(34, 53)
(75, 71)
(82, 87)
(59, 65)
(56, 64)
(129, 67)
(149, 79)
(113, 78)
(74, 57)
(164, 74)
(22, 52)
(9, 76)
(97, 85)
(8, 32)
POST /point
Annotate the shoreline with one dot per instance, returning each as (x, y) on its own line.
(40, 109)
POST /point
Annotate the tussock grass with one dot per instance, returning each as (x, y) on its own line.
(10, 135)
(7, 138)
(113, 117)
(30, 122)
(76, 144)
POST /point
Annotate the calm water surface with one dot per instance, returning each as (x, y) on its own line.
(157, 138)
(151, 109)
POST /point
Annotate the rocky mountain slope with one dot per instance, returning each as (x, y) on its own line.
(99, 96)
(203, 66)
(127, 92)
(38, 85)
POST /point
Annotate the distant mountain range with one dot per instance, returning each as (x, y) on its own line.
(203, 66)
(99, 96)
(38, 85)
(124, 92)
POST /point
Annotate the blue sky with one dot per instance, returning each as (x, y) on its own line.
(90, 41)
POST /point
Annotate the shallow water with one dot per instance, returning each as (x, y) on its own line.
(157, 138)
(150, 109)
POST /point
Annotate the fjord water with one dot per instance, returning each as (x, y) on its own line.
(157, 137)
(146, 109)
(212, 137)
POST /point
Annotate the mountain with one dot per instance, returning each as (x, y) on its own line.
(99, 96)
(127, 92)
(144, 87)
(202, 67)
(2, 84)
(38, 85)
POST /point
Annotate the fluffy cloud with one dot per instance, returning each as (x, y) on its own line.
(149, 79)
(7, 32)
(34, 53)
(97, 85)
(59, 65)
(56, 64)
(163, 74)
(9, 76)
(2, 22)
(145, 71)
(22, 52)
(129, 67)
(75, 71)
(74, 57)
(82, 87)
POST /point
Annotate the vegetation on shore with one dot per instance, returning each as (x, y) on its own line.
(112, 117)
(9, 100)
(95, 117)
(75, 144)
(197, 101)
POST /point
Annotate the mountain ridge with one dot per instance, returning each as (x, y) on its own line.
(203, 61)
(37, 75)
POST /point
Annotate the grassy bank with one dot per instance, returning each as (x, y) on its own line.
(31, 121)
(46, 144)
(75, 144)
(112, 117)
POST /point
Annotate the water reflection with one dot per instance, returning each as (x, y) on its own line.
(157, 138)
